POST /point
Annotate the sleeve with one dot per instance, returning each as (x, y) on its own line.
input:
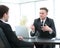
(13, 38)
(33, 33)
(53, 34)
(50, 32)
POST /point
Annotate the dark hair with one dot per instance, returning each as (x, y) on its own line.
(44, 8)
(3, 9)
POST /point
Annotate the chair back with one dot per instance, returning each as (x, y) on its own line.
(3, 40)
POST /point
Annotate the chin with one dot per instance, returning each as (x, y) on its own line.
(6, 21)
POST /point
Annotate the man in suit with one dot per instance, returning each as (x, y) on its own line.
(12, 38)
(44, 26)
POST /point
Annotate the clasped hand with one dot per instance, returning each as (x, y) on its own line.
(46, 28)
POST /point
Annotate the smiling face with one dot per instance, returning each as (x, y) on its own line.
(43, 14)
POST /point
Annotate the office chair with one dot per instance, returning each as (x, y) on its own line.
(1, 44)
(3, 40)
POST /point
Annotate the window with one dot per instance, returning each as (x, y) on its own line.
(28, 10)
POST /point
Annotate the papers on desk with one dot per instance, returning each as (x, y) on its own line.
(55, 39)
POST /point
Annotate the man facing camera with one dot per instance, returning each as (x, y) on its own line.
(11, 37)
(44, 26)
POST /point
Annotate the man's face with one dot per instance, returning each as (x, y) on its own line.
(6, 17)
(43, 14)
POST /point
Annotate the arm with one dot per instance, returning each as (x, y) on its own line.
(33, 29)
(49, 29)
(53, 34)
(12, 38)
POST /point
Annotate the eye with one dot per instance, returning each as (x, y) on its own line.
(41, 13)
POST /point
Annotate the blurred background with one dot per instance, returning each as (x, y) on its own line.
(23, 12)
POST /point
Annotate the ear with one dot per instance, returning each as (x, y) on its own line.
(47, 13)
(4, 15)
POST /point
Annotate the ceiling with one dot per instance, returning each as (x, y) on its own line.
(19, 1)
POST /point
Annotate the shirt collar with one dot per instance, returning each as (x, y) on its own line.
(2, 20)
(43, 20)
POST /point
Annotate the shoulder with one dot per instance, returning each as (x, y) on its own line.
(7, 25)
(38, 19)
(4, 25)
(50, 19)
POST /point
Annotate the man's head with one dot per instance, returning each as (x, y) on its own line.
(43, 13)
(4, 12)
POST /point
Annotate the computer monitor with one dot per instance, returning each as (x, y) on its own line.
(22, 31)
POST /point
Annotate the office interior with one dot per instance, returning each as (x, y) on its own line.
(23, 12)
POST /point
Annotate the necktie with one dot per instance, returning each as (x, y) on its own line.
(42, 23)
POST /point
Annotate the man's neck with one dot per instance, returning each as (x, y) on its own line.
(2, 20)
(43, 18)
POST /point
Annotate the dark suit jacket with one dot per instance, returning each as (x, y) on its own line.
(12, 38)
(41, 34)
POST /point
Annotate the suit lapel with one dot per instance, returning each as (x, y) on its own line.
(47, 21)
(39, 22)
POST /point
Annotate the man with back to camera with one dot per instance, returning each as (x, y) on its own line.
(11, 37)
(44, 26)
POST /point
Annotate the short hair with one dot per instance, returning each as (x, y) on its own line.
(44, 8)
(3, 9)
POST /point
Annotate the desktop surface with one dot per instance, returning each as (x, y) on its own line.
(43, 41)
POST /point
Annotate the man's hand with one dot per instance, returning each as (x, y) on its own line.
(46, 28)
(33, 28)
(20, 37)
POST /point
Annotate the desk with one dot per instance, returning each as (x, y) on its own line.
(44, 41)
